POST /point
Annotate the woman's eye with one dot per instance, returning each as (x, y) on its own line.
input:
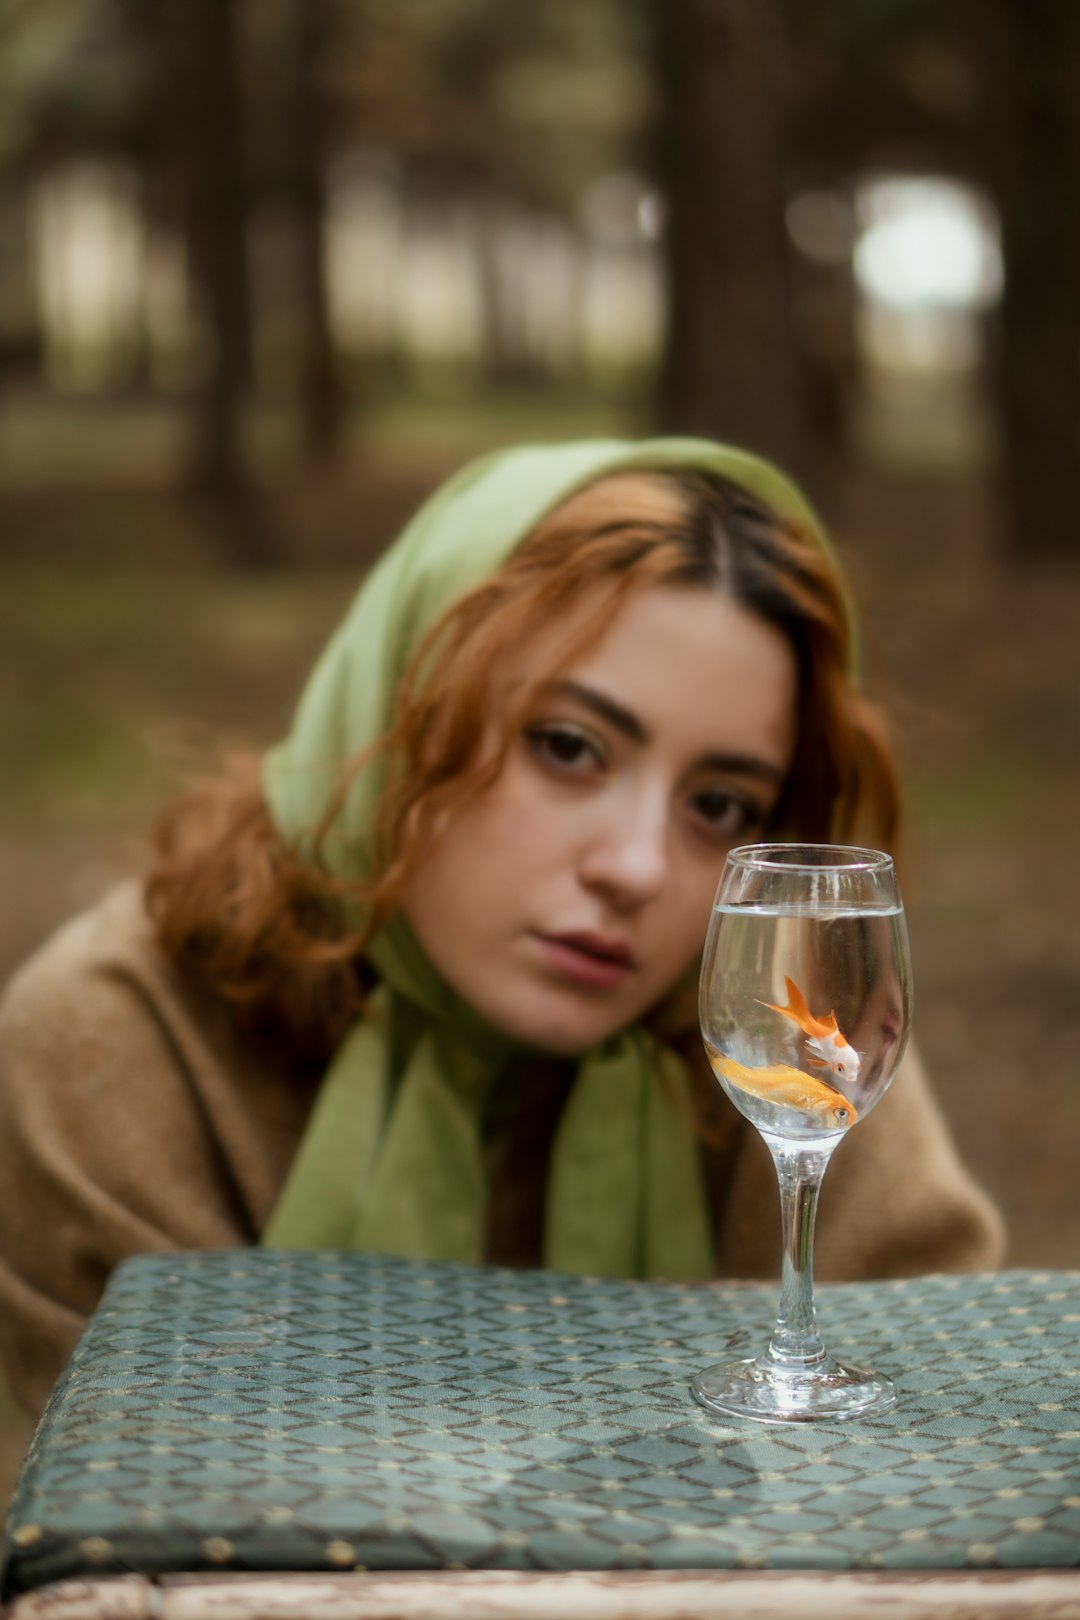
(562, 746)
(726, 813)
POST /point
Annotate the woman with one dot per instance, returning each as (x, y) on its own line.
(427, 986)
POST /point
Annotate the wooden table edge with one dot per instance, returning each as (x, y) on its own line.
(1044, 1594)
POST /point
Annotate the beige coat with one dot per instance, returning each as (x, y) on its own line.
(133, 1117)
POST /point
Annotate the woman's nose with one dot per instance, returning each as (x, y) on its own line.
(627, 855)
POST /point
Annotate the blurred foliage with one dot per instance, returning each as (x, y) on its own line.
(77, 71)
(538, 98)
(92, 736)
(994, 791)
(9, 1411)
(234, 114)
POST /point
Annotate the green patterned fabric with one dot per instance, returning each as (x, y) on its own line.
(392, 1159)
(269, 1411)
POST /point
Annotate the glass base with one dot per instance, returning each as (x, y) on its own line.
(826, 1392)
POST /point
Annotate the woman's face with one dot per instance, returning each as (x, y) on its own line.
(568, 898)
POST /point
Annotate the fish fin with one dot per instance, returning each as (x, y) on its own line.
(817, 1063)
(785, 1012)
(796, 999)
(808, 1021)
(796, 1008)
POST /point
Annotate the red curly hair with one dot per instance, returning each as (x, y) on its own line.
(243, 914)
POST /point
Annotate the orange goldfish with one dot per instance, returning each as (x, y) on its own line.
(832, 1051)
(790, 1088)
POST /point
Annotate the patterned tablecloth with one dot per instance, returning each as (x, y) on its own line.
(261, 1411)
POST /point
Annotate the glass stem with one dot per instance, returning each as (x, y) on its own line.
(795, 1342)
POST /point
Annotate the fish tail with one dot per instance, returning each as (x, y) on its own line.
(796, 1009)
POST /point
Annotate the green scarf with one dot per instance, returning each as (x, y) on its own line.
(392, 1158)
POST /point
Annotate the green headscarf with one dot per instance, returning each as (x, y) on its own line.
(392, 1156)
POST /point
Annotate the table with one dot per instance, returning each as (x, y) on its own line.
(250, 1432)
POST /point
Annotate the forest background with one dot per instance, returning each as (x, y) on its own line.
(270, 269)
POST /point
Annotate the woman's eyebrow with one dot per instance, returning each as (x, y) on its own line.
(626, 721)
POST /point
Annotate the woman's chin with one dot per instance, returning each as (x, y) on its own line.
(561, 1031)
(555, 1040)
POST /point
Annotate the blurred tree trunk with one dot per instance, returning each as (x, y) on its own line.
(200, 82)
(320, 389)
(1031, 125)
(729, 369)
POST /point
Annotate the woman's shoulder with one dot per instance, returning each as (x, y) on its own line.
(102, 995)
(87, 1012)
(99, 1015)
(102, 992)
(112, 938)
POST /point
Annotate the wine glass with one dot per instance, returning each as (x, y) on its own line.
(805, 1006)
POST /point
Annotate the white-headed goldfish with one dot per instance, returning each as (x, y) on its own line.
(789, 1088)
(831, 1050)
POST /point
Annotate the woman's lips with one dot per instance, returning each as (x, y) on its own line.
(588, 958)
